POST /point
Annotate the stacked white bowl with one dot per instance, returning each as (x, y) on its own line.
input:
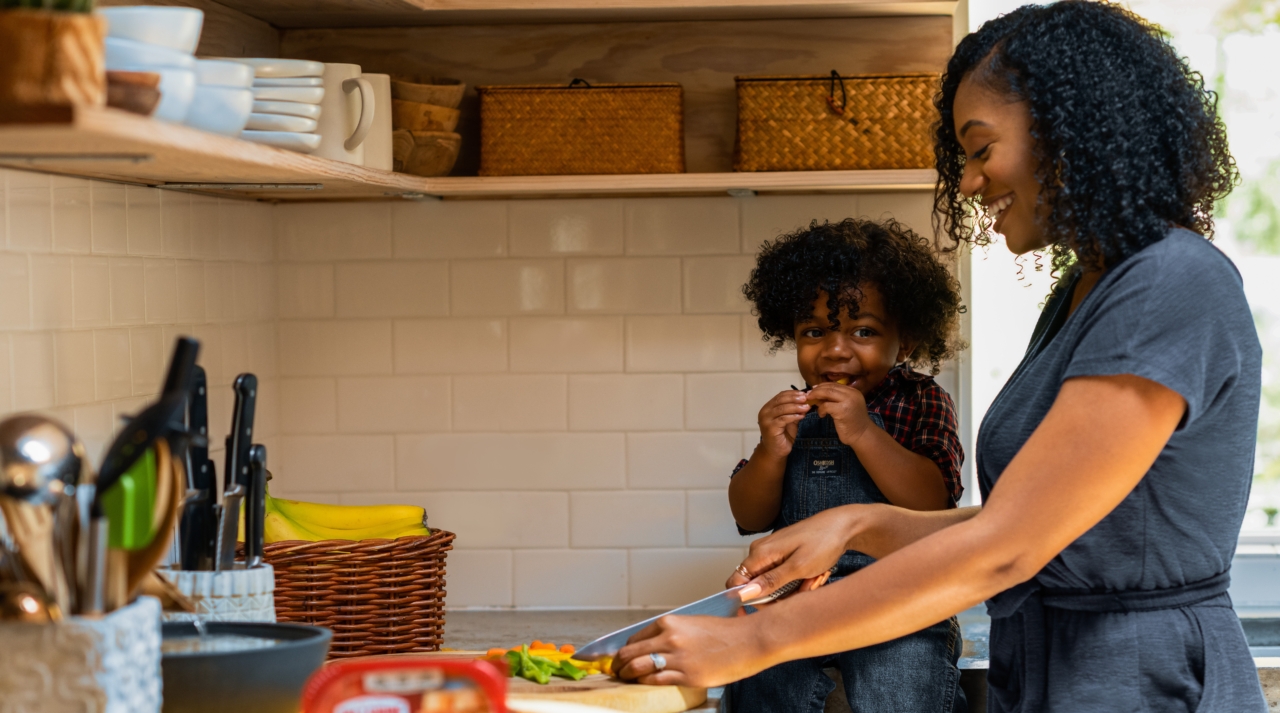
(160, 40)
(286, 106)
(223, 99)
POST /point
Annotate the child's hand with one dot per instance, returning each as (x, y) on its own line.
(779, 419)
(846, 406)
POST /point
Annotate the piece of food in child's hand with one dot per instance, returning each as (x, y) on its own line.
(843, 381)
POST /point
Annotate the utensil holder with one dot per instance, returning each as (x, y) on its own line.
(234, 595)
(79, 665)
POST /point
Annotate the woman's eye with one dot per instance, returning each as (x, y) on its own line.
(980, 153)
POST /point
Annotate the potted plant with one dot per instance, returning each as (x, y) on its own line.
(51, 53)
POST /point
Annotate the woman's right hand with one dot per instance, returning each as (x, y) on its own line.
(779, 419)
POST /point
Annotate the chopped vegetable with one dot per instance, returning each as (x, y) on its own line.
(540, 661)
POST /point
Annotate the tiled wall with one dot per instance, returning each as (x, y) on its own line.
(96, 279)
(566, 384)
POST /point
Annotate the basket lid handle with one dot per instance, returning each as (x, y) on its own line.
(831, 94)
(578, 81)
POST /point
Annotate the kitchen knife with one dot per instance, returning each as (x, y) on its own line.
(236, 477)
(722, 604)
(255, 506)
(198, 528)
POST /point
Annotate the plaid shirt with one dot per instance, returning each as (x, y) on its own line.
(920, 416)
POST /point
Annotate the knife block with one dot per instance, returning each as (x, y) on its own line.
(79, 665)
(234, 595)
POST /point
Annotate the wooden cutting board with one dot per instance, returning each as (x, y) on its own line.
(600, 690)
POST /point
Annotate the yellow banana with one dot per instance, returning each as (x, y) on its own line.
(350, 517)
(388, 531)
(277, 528)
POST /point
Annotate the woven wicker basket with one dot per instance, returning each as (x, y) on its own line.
(378, 596)
(545, 130)
(816, 123)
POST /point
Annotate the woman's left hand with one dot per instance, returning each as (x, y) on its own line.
(700, 651)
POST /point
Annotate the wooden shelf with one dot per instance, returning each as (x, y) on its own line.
(290, 14)
(113, 145)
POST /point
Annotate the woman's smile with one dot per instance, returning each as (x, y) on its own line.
(997, 209)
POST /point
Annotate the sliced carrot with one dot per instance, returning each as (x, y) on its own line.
(567, 649)
(495, 653)
(536, 644)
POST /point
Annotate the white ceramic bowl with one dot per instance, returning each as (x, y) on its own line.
(281, 122)
(309, 111)
(139, 56)
(277, 68)
(220, 110)
(306, 95)
(302, 143)
(177, 88)
(173, 27)
(289, 82)
(216, 73)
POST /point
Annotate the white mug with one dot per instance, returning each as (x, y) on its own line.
(346, 114)
(377, 145)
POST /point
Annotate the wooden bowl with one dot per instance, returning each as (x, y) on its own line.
(433, 152)
(416, 116)
(136, 92)
(442, 92)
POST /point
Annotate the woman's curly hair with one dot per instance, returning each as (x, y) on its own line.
(920, 295)
(1128, 138)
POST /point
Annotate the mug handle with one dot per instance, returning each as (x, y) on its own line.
(366, 111)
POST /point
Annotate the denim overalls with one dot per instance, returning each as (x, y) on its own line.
(914, 674)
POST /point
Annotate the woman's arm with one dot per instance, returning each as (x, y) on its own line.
(1096, 443)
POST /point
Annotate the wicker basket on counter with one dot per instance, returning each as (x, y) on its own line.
(378, 596)
(834, 122)
(581, 128)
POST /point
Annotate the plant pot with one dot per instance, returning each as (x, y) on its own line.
(51, 58)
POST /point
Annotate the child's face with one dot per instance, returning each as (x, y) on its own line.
(862, 350)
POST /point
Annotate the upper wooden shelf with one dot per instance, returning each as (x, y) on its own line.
(381, 13)
(113, 145)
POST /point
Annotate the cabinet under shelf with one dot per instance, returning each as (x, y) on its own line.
(113, 145)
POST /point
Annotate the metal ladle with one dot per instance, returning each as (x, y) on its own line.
(41, 463)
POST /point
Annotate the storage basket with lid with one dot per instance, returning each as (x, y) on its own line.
(835, 122)
(581, 128)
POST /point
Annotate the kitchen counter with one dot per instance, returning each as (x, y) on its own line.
(480, 630)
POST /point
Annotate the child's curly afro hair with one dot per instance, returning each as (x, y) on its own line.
(919, 293)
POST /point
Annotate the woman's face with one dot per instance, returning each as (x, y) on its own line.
(1000, 163)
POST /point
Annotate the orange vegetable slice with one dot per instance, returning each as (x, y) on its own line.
(567, 649)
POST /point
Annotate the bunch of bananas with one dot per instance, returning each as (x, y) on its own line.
(295, 520)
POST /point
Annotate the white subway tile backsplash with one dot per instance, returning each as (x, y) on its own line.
(210, 336)
(110, 221)
(306, 291)
(206, 229)
(767, 217)
(513, 520)
(6, 370)
(508, 403)
(566, 344)
(15, 291)
(340, 348)
(392, 289)
(684, 343)
(72, 215)
(625, 402)
(569, 579)
(702, 459)
(235, 351)
(758, 355)
(34, 363)
(113, 373)
(128, 291)
(30, 211)
(713, 285)
(479, 578)
(624, 286)
(670, 577)
(73, 379)
(627, 519)
(682, 226)
(914, 209)
(510, 461)
(264, 353)
(711, 521)
(336, 463)
(175, 222)
(219, 291)
(146, 227)
(393, 404)
(191, 291)
(566, 227)
(52, 292)
(333, 231)
(506, 287)
(730, 401)
(95, 428)
(149, 357)
(450, 346)
(92, 291)
(161, 291)
(442, 230)
(308, 405)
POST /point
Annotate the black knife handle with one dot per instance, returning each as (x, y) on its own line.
(181, 366)
(240, 439)
(201, 476)
(255, 506)
(197, 533)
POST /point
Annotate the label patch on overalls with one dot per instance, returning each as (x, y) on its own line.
(824, 467)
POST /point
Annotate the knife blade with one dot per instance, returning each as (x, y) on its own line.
(721, 604)
(199, 524)
(255, 506)
(236, 477)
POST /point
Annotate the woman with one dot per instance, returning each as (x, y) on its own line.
(1116, 463)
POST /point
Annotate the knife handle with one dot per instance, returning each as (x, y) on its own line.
(255, 506)
(240, 439)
